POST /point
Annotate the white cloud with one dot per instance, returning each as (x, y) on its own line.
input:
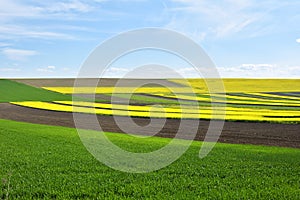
(260, 71)
(113, 72)
(248, 71)
(150, 71)
(117, 69)
(18, 54)
(48, 69)
(51, 67)
(242, 71)
(298, 40)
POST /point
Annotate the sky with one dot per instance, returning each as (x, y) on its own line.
(244, 38)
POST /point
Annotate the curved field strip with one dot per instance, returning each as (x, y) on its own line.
(247, 97)
(286, 94)
(276, 96)
(145, 98)
(143, 108)
(233, 100)
(190, 110)
(252, 95)
(296, 94)
(187, 109)
(256, 99)
(103, 111)
(167, 112)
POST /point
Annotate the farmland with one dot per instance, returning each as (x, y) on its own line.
(248, 101)
(49, 161)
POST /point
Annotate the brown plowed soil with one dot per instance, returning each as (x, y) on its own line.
(287, 135)
(104, 82)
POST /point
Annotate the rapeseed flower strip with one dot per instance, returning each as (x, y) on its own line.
(58, 107)
(189, 110)
(243, 102)
(131, 107)
(234, 115)
(70, 108)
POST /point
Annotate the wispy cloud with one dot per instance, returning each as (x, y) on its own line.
(3, 44)
(12, 31)
(18, 54)
(11, 11)
(70, 6)
(248, 18)
(222, 19)
(298, 40)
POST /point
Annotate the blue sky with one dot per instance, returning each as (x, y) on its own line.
(245, 38)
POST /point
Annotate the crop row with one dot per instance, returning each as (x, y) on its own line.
(232, 99)
(218, 113)
(243, 106)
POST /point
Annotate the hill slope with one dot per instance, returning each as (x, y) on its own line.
(14, 91)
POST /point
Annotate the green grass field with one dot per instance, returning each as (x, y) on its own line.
(48, 162)
(14, 91)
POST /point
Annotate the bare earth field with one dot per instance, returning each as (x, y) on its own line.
(111, 82)
(286, 135)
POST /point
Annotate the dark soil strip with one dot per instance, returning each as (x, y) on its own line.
(257, 96)
(289, 94)
(104, 82)
(222, 103)
(287, 135)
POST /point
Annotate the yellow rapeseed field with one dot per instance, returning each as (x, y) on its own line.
(244, 100)
(233, 85)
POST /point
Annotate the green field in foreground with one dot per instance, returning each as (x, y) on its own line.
(39, 161)
(14, 91)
